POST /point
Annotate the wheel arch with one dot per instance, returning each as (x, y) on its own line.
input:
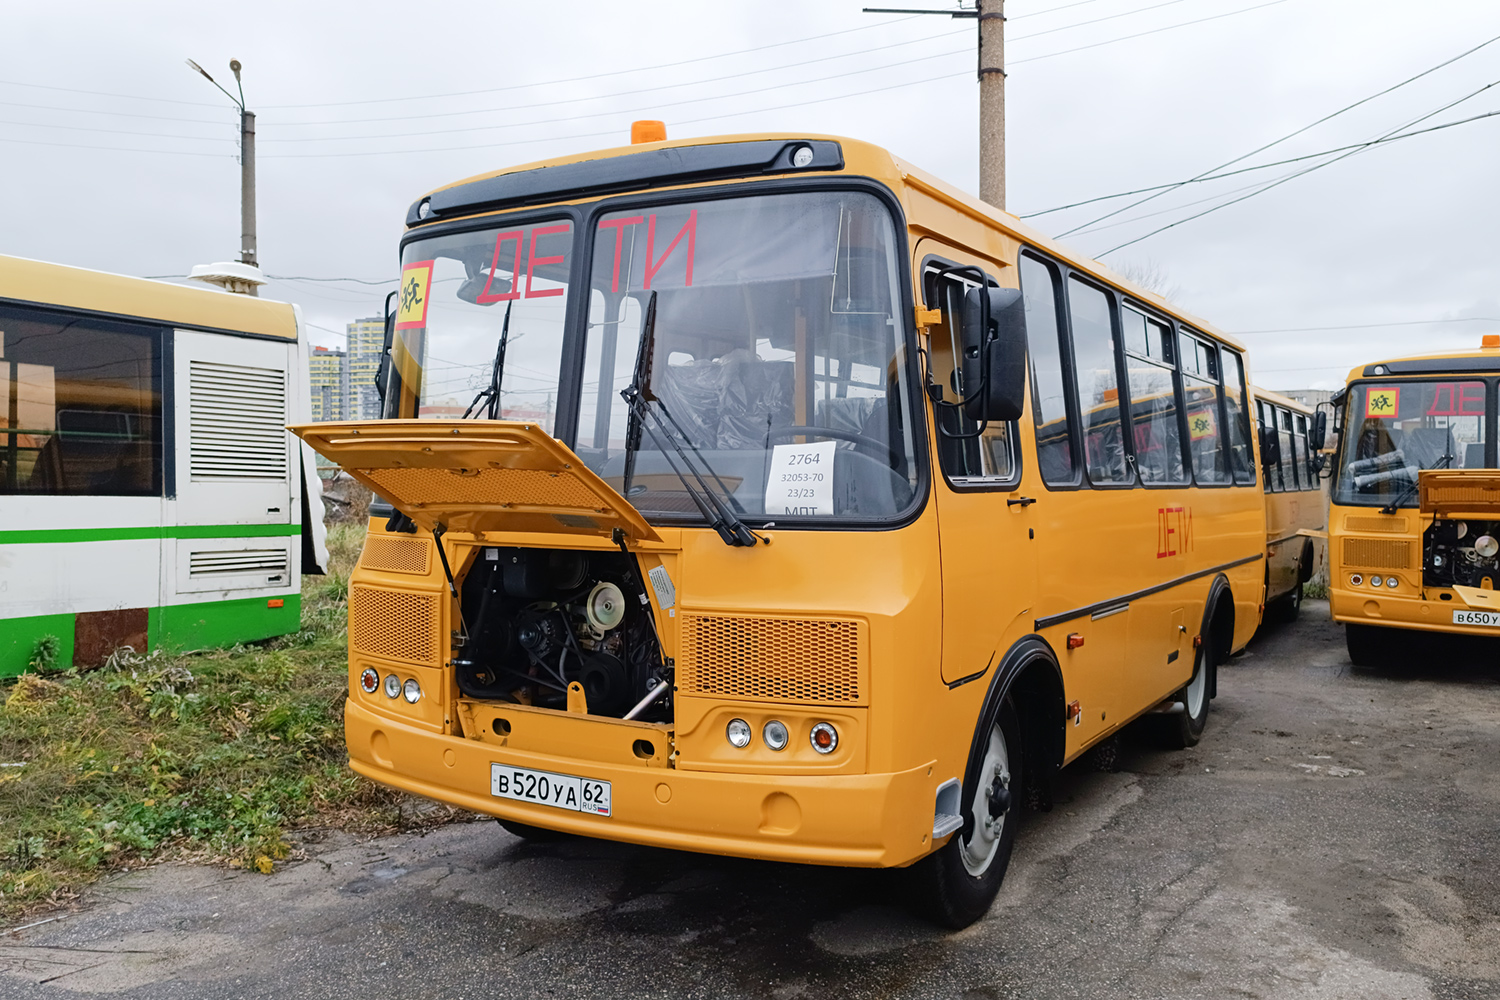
(1030, 675)
(1218, 625)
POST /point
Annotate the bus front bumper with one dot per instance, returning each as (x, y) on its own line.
(862, 820)
(1402, 611)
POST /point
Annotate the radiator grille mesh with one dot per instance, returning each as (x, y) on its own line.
(1376, 553)
(771, 659)
(397, 555)
(394, 625)
(486, 486)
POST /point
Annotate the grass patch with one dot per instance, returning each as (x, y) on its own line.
(1317, 590)
(215, 756)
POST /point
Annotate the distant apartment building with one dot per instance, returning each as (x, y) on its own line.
(328, 372)
(366, 344)
(1308, 397)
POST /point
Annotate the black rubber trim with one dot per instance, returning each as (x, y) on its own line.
(972, 677)
(1217, 591)
(1067, 616)
(630, 172)
(1434, 366)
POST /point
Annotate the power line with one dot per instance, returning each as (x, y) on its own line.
(1143, 34)
(1108, 17)
(1290, 135)
(1373, 326)
(359, 281)
(1205, 178)
(112, 149)
(1295, 175)
(117, 131)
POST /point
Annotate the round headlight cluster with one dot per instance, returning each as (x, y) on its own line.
(369, 682)
(1376, 580)
(776, 735)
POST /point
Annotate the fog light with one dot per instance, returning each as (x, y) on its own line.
(775, 735)
(1356, 580)
(738, 733)
(369, 681)
(825, 739)
(1391, 582)
(1375, 581)
(412, 691)
(392, 685)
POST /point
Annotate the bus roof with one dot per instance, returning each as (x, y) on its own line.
(40, 283)
(1485, 358)
(858, 158)
(1277, 398)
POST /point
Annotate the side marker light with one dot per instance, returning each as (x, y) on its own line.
(276, 602)
(1074, 640)
(824, 738)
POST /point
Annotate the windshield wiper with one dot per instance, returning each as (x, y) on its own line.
(638, 397)
(491, 393)
(1411, 487)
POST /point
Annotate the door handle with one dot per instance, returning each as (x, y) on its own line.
(1019, 501)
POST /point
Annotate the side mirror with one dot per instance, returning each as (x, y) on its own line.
(994, 344)
(1270, 448)
(1319, 430)
(383, 373)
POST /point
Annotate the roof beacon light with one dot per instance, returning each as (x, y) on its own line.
(647, 131)
(1490, 341)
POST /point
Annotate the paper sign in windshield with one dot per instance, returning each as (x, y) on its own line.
(411, 311)
(801, 480)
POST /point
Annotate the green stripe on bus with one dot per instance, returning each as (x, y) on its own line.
(38, 535)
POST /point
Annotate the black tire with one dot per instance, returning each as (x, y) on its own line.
(957, 883)
(1184, 729)
(1289, 605)
(535, 834)
(1368, 646)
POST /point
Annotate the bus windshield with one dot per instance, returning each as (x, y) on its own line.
(1397, 429)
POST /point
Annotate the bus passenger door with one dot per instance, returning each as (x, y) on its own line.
(987, 543)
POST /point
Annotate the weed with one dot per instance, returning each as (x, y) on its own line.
(44, 655)
(1317, 590)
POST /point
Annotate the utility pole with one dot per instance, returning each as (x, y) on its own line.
(990, 14)
(248, 251)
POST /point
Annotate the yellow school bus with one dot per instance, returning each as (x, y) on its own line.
(1415, 515)
(1291, 439)
(734, 530)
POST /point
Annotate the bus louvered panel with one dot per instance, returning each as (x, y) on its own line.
(237, 422)
(393, 624)
(220, 562)
(1376, 553)
(397, 555)
(813, 660)
(1385, 522)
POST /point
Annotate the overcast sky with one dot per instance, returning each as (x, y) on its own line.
(114, 155)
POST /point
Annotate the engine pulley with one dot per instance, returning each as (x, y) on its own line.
(605, 607)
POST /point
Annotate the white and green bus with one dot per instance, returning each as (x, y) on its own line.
(150, 495)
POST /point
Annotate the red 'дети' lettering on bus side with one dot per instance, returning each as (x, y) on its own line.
(1172, 521)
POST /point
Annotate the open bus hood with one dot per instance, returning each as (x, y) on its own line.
(1459, 491)
(476, 476)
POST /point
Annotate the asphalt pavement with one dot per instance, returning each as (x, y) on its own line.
(1335, 835)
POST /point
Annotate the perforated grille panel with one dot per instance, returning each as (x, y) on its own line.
(487, 486)
(394, 625)
(397, 555)
(772, 659)
(1358, 522)
(237, 422)
(1376, 553)
(1453, 496)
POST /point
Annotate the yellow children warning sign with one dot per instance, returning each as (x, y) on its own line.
(411, 311)
(1201, 425)
(1382, 402)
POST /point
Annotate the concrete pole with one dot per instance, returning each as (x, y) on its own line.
(992, 102)
(247, 190)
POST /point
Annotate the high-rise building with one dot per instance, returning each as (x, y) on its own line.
(366, 344)
(328, 373)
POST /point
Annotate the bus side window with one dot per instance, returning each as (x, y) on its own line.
(1262, 421)
(1049, 406)
(84, 413)
(1304, 459)
(1200, 391)
(1240, 454)
(1288, 456)
(1153, 399)
(1097, 383)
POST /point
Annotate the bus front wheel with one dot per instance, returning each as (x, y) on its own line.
(1368, 646)
(958, 882)
(1186, 727)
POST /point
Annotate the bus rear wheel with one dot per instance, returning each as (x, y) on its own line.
(957, 883)
(1185, 728)
(1369, 646)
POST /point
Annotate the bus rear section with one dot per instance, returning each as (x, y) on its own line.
(1291, 436)
(1414, 527)
(708, 529)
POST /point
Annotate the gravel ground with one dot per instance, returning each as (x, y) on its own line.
(1335, 835)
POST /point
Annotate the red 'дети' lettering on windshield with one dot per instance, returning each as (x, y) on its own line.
(1463, 399)
(484, 297)
(619, 227)
(689, 229)
(533, 261)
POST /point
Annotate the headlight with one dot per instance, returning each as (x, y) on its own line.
(412, 690)
(738, 733)
(392, 685)
(775, 735)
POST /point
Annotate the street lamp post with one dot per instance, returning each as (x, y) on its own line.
(247, 164)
